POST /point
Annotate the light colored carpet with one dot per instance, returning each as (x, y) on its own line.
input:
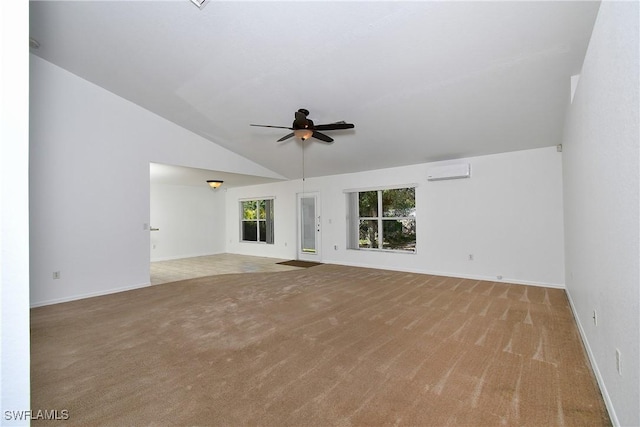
(324, 346)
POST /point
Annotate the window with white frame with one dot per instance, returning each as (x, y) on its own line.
(383, 219)
(256, 221)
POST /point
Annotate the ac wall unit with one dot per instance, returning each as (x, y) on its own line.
(457, 171)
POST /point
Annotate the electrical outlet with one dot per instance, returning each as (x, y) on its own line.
(595, 318)
(335, 247)
(56, 274)
(499, 277)
(618, 361)
(470, 257)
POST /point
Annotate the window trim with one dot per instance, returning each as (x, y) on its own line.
(386, 187)
(268, 220)
(353, 218)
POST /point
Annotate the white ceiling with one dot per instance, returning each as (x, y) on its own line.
(420, 80)
(161, 174)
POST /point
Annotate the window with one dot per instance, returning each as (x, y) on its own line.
(256, 222)
(383, 219)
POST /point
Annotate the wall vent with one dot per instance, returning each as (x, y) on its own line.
(456, 171)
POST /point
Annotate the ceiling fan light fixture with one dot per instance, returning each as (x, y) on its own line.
(214, 183)
(303, 128)
(303, 134)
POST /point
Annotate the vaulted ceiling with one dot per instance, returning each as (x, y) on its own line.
(421, 81)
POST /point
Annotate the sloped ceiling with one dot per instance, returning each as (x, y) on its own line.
(421, 81)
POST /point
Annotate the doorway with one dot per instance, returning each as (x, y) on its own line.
(309, 227)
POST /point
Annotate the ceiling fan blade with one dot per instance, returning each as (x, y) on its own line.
(322, 137)
(269, 126)
(335, 126)
(286, 137)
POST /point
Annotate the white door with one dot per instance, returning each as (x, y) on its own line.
(309, 227)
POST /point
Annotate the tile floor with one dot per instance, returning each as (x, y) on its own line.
(189, 268)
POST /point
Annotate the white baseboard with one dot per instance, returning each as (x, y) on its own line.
(449, 274)
(88, 295)
(594, 365)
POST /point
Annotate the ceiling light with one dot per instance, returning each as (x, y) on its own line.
(200, 3)
(33, 43)
(303, 134)
(214, 183)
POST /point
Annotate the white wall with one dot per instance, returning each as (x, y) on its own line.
(508, 215)
(601, 188)
(190, 221)
(89, 183)
(14, 210)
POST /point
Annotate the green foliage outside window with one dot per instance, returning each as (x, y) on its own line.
(257, 220)
(254, 209)
(395, 229)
